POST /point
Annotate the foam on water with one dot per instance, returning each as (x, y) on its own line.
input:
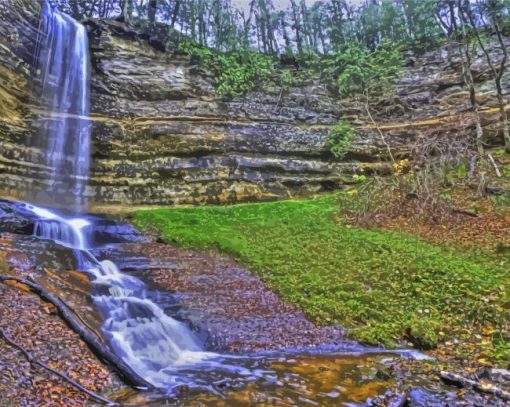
(154, 344)
(161, 349)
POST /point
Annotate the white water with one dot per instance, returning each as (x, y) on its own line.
(155, 345)
(160, 349)
(63, 70)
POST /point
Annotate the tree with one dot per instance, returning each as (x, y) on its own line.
(296, 25)
(496, 12)
(153, 7)
(464, 41)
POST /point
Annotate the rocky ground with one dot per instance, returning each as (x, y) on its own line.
(231, 308)
(36, 326)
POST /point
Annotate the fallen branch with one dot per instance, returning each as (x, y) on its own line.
(482, 387)
(101, 351)
(34, 361)
(498, 172)
(465, 213)
(381, 134)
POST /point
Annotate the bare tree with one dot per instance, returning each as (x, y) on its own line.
(497, 71)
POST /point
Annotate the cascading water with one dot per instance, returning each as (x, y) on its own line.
(151, 342)
(62, 77)
(157, 347)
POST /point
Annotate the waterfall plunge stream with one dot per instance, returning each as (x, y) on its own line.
(157, 347)
(163, 351)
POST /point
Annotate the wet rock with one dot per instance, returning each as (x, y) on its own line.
(37, 254)
(12, 221)
(501, 374)
(107, 231)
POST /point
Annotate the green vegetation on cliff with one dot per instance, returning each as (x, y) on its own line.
(382, 286)
(354, 71)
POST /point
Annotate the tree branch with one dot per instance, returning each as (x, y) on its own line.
(101, 351)
(34, 361)
(483, 387)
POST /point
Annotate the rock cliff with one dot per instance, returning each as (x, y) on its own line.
(161, 137)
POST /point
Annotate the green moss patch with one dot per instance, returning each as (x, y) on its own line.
(382, 286)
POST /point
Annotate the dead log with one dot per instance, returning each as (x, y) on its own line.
(465, 213)
(75, 384)
(127, 374)
(454, 378)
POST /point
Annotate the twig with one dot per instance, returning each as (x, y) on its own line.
(482, 387)
(388, 148)
(491, 158)
(34, 361)
(100, 350)
(279, 97)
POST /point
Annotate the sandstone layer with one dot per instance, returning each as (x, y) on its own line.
(162, 137)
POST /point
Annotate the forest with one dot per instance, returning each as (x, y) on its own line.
(255, 202)
(322, 27)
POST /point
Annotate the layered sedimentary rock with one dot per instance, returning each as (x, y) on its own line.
(160, 136)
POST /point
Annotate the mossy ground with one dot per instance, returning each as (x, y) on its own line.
(383, 286)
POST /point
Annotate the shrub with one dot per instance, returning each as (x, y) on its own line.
(340, 138)
(240, 72)
(237, 72)
(358, 70)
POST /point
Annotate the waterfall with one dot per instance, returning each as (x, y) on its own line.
(155, 345)
(139, 330)
(62, 77)
(151, 342)
(161, 349)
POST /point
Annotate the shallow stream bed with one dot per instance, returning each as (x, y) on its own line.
(261, 350)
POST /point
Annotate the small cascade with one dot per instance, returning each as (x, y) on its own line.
(162, 350)
(62, 80)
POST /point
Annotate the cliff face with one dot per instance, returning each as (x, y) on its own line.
(160, 136)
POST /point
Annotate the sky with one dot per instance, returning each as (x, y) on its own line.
(281, 4)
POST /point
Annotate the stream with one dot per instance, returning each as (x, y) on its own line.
(161, 349)
(166, 350)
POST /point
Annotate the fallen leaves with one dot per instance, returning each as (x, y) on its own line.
(37, 327)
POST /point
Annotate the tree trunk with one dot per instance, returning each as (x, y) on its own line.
(127, 11)
(499, 77)
(466, 13)
(468, 77)
(175, 13)
(297, 27)
(153, 7)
